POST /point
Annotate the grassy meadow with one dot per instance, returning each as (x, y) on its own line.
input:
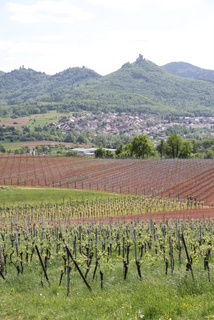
(44, 119)
(156, 296)
(35, 119)
(16, 195)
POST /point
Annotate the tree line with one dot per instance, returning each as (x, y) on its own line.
(138, 147)
(141, 147)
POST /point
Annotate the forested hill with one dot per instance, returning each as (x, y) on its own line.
(22, 84)
(141, 86)
(187, 70)
(145, 86)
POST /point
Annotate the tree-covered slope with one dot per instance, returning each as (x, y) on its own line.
(20, 85)
(73, 76)
(27, 83)
(187, 70)
(141, 86)
(25, 89)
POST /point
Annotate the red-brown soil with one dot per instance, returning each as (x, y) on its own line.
(163, 178)
(15, 122)
(23, 120)
(33, 144)
(157, 217)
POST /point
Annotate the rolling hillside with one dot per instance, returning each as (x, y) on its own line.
(23, 84)
(187, 70)
(141, 87)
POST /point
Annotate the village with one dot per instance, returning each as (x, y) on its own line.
(152, 125)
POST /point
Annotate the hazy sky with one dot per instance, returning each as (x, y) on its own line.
(53, 35)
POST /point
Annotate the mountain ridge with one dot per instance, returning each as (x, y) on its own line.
(188, 70)
(141, 87)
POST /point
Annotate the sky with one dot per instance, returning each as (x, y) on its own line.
(53, 35)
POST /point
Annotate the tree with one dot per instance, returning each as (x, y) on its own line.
(173, 146)
(186, 150)
(100, 152)
(128, 148)
(2, 148)
(161, 148)
(141, 146)
(109, 154)
(81, 139)
(209, 154)
(100, 138)
(194, 149)
(72, 154)
(69, 138)
(119, 150)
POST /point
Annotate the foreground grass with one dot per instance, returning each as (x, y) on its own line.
(15, 195)
(155, 297)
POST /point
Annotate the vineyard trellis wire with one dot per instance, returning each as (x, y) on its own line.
(55, 235)
(165, 178)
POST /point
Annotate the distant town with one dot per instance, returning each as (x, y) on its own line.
(152, 125)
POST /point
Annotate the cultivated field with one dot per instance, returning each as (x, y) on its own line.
(71, 260)
(134, 243)
(164, 178)
(40, 118)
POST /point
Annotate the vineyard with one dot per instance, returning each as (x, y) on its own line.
(141, 249)
(178, 179)
(77, 247)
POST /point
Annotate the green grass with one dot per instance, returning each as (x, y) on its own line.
(49, 114)
(44, 119)
(6, 118)
(39, 119)
(18, 144)
(78, 203)
(11, 145)
(14, 195)
(156, 296)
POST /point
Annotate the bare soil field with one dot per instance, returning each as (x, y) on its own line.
(164, 178)
(157, 217)
(33, 144)
(15, 122)
(23, 120)
(172, 215)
